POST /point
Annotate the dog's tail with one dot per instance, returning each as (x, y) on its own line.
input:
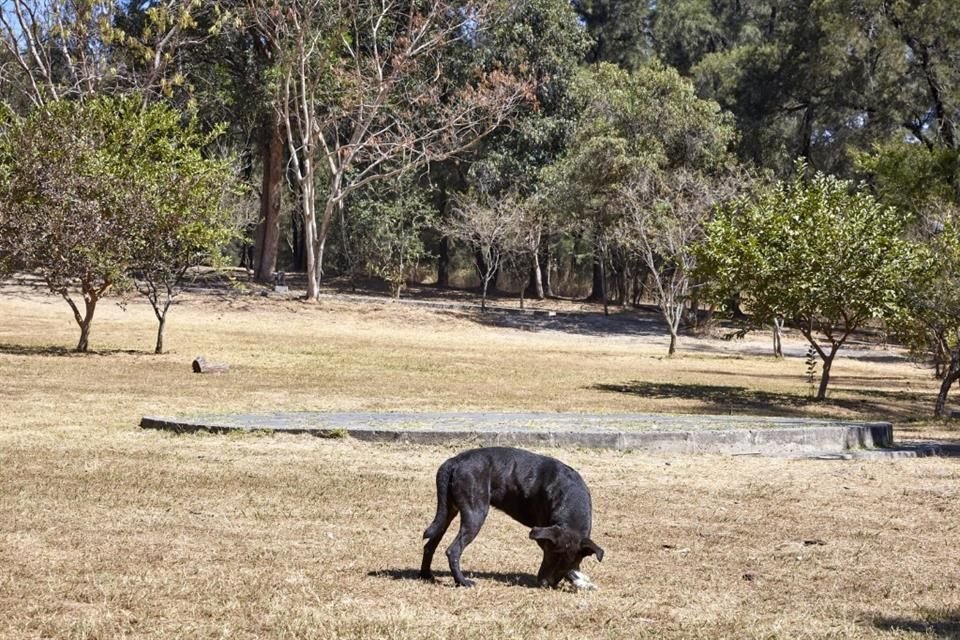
(442, 520)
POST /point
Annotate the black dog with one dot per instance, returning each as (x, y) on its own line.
(535, 490)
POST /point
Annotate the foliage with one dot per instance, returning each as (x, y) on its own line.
(636, 131)
(818, 252)
(90, 191)
(383, 234)
(363, 95)
(922, 179)
(179, 202)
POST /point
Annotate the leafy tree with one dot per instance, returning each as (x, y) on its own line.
(921, 179)
(180, 203)
(91, 190)
(633, 127)
(383, 235)
(817, 252)
(620, 31)
(77, 49)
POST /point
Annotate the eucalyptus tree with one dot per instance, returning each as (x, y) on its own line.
(364, 96)
(77, 49)
(542, 40)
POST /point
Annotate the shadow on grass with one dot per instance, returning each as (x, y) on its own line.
(36, 350)
(905, 405)
(937, 624)
(513, 579)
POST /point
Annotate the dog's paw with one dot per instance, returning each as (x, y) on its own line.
(467, 583)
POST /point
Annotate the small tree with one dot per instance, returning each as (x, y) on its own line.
(488, 225)
(383, 234)
(179, 203)
(932, 324)
(816, 252)
(664, 221)
(923, 180)
(64, 206)
(90, 191)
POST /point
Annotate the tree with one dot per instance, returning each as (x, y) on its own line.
(383, 236)
(920, 178)
(632, 128)
(180, 204)
(65, 212)
(489, 225)
(88, 189)
(664, 223)
(77, 49)
(817, 252)
(364, 96)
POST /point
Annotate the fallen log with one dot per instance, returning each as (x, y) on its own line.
(200, 365)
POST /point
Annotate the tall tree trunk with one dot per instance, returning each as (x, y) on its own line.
(535, 277)
(597, 287)
(443, 263)
(546, 262)
(311, 243)
(267, 238)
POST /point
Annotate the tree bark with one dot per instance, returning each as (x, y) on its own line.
(268, 228)
(827, 360)
(778, 337)
(951, 376)
(443, 263)
(161, 323)
(597, 285)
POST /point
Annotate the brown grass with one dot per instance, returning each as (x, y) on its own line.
(109, 531)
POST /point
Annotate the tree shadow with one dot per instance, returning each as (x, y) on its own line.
(938, 624)
(577, 323)
(512, 579)
(60, 351)
(737, 399)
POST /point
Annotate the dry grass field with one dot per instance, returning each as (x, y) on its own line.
(107, 531)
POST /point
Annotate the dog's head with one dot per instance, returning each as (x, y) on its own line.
(563, 549)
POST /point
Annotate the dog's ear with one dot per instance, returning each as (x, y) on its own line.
(549, 534)
(590, 547)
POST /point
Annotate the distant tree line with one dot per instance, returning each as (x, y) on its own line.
(795, 161)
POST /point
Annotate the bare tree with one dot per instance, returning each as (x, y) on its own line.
(490, 226)
(665, 215)
(364, 96)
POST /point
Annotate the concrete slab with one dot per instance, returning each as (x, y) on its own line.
(674, 434)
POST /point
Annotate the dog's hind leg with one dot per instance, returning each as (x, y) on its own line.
(470, 523)
(474, 503)
(432, 537)
(446, 512)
